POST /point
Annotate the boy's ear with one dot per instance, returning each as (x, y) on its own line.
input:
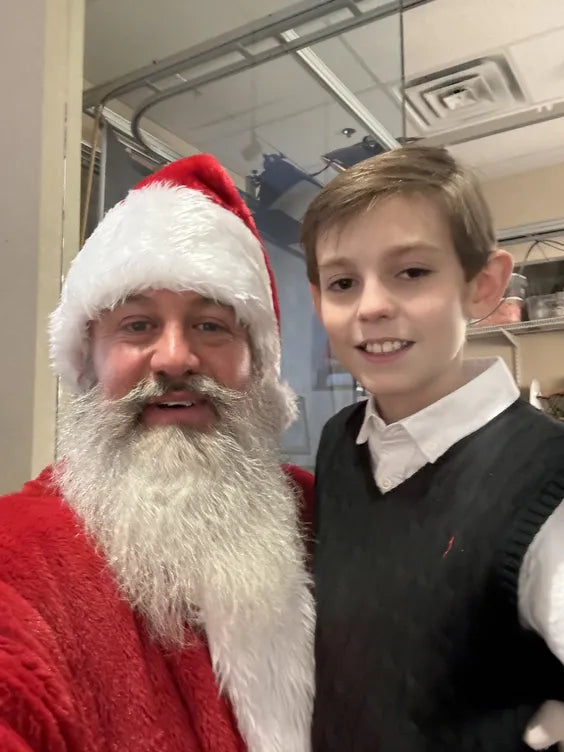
(489, 285)
(316, 298)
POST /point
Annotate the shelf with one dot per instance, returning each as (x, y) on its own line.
(523, 327)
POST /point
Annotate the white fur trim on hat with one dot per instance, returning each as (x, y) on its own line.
(170, 238)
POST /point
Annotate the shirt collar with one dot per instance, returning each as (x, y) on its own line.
(372, 422)
(489, 390)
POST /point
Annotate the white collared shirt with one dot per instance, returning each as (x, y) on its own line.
(399, 450)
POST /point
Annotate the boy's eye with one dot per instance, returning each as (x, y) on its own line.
(340, 285)
(414, 273)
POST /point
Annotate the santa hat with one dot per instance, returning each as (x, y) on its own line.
(183, 228)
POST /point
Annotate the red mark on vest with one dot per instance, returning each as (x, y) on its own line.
(449, 547)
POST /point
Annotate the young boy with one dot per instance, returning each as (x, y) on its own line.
(439, 562)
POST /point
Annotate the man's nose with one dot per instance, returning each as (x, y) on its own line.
(174, 354)
(376, 301)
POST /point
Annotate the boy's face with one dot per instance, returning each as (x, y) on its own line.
(395, 303)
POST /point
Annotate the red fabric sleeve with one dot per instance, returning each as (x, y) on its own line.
(305, 482)
(10, 741)
(36, 709)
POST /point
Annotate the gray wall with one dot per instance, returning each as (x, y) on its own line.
(21, 83)
(303, 346)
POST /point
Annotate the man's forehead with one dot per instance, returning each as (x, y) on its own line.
(153, 297)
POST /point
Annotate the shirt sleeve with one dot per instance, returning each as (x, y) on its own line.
(541, 583)
(541, 608)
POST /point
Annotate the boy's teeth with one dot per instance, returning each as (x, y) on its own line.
(390, 345)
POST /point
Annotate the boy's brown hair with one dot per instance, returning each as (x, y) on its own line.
(409, 170)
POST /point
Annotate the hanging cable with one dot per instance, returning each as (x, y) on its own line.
(529, 249)
(552, 244)
(315, 174)
(491, 313)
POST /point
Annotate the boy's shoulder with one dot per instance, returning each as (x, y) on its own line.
(523, 417)
(349, 417)
(344, 424)
(522, 445)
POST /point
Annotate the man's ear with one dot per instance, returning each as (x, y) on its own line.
(87, 375)
(316, 298)
(489, 285)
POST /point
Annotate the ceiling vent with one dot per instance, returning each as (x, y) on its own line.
(471, 91)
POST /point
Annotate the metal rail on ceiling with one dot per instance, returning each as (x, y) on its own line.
(213, 60)
(534, 231)
(245, 41)
(244, 48)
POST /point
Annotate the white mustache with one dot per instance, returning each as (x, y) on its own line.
(150, 389)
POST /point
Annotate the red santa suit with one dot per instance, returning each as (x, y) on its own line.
(79, 671)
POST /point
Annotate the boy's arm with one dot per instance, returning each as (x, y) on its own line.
(541, 607)
(541, 583)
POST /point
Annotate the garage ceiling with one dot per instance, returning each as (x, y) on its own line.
(485, 77)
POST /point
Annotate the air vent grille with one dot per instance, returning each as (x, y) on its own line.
(470, 91)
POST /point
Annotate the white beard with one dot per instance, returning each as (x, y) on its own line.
(202, 529)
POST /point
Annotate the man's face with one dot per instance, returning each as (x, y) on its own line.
(167, 336)
(195, 514)
(394, 301)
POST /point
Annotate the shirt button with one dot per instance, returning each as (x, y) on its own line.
(386, 484)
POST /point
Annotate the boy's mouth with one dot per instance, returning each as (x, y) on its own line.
(384, 346)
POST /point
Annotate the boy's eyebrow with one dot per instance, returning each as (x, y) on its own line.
(334, 261)
(406, 248)
(397, 250)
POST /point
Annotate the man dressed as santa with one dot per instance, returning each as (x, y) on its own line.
(154, 592)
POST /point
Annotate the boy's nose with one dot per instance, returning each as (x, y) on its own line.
(375, 302)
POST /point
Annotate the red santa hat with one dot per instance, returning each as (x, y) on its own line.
(183, 228)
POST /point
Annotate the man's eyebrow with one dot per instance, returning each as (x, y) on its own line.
(204, 302)
(147, 300)
(137, 298)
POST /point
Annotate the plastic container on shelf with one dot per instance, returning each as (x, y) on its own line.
(546, 306)
(553, 404)
(517, 287)
(509, 311)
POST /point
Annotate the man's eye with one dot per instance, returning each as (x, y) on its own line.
(139, 327)
(340, 285)
(210, 326)
(414, 273)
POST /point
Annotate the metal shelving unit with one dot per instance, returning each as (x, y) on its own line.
(523, 327)
(510, 333)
